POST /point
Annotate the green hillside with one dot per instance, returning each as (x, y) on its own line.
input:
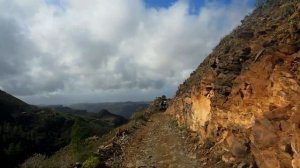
(26, 130)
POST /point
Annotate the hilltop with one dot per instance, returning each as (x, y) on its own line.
(125, 109)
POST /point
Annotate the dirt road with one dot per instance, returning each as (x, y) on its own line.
(158, 144)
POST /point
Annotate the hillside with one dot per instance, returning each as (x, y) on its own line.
(9, 105)
(8, 100)
(26, 129)
(103, 114)
(240, 108)
(124, 109)
(243, 99)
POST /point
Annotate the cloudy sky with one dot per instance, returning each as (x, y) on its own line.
(68, 51)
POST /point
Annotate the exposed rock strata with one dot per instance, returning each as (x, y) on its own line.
(245, 96)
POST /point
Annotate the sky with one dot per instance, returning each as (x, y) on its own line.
(69, 51)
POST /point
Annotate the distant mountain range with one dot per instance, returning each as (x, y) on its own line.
(27, 129)
(124, 109)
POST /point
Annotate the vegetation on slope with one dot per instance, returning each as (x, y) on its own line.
(124, 109)
(96, 151)
(25, 129)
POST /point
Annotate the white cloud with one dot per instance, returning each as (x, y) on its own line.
(111, 48)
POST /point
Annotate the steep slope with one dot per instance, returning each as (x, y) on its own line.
(26, 129)
(10, 104)
(8, 100)
(243, 100)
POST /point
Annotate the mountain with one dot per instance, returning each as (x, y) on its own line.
(102, 114)
(10, 105)
(124, 109)
(243, 99)
(62, 108)
(26, 129)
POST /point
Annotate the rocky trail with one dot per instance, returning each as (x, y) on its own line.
(157, 143)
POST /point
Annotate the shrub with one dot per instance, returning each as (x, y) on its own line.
(138, 116)
(225, 40)
(287, 9)
(91, 162)
(79, 132)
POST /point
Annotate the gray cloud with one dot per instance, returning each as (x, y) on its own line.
(11, 45)
(18, 73)
(105, 50)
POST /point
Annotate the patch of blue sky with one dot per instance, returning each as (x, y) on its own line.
(194, 5)
(60, 4)
(54, 2)
(159, 3)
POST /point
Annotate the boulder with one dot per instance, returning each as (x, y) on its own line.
(263, 135)
(188, 100)
(278, 114)
(267, 159)
(237, 146)
(296, 163)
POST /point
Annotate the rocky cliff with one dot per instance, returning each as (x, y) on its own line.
(243, 101)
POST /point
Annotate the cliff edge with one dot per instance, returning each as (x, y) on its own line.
(243, 101)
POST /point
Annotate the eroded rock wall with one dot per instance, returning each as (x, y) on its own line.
(245, 96)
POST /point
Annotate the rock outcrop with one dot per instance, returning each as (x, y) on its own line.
(244, 99)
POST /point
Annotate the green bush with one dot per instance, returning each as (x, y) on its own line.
(80, 131)
(91, 162)
(138, 116)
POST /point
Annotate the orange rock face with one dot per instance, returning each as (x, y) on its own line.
(245, 96)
